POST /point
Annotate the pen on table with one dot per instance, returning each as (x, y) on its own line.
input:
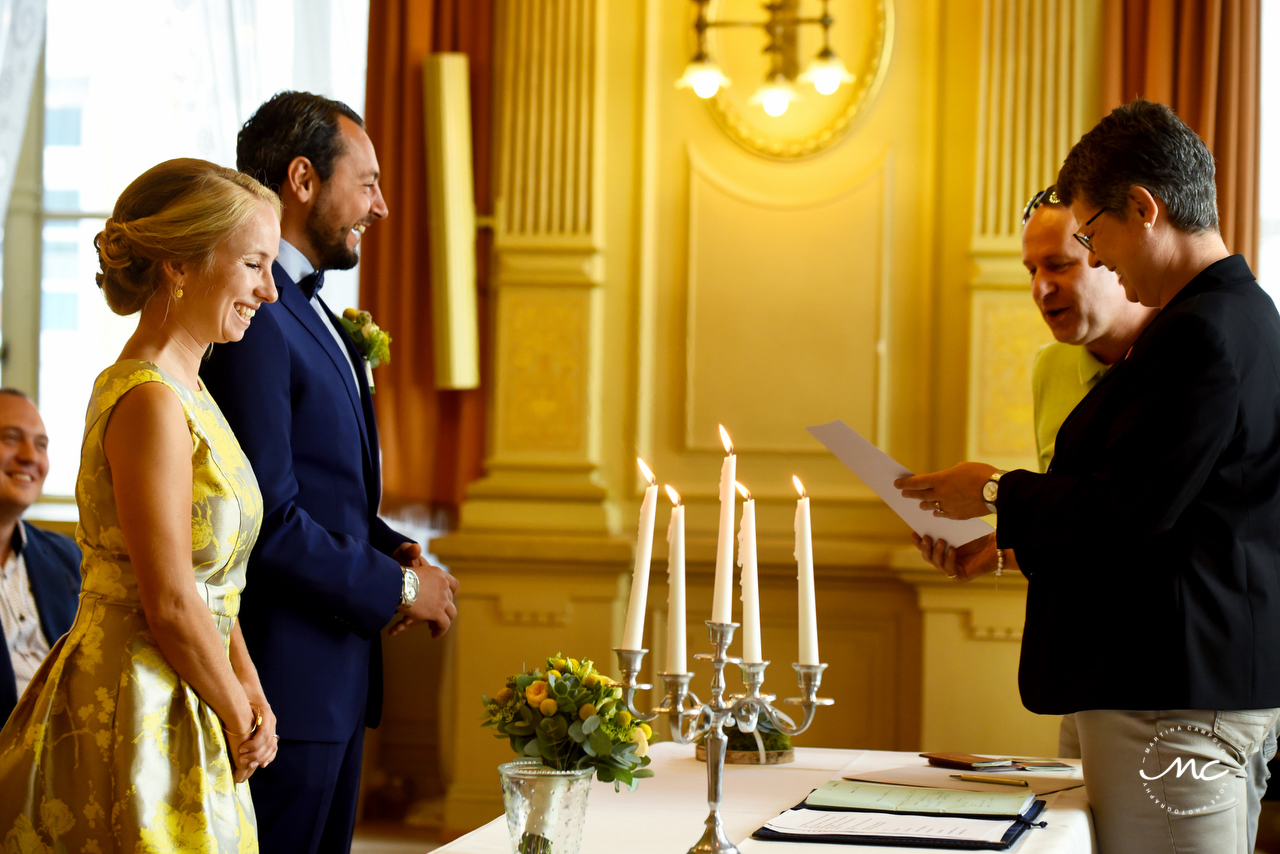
(983, 778)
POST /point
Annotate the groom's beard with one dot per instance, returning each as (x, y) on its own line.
(328, 236)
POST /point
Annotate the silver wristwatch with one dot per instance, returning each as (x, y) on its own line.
(991, 489)
(409, 588)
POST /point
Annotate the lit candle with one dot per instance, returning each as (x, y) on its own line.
(633, 634)
(676, 661)
(804, 563)
(750, 580)
(721, 601)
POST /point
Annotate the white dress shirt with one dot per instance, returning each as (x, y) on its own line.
(298, 267)
(18, 615)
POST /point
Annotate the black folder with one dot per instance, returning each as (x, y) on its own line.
(1015, 832)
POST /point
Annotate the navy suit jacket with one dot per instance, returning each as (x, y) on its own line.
(53, 570)
(1152, 545)
(321, 583)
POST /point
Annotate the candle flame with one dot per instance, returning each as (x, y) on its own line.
(724, 437)
(743, 491)
(673, 495)
(799, 486)
(648, 475)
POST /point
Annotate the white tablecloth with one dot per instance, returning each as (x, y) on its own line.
(666, 814)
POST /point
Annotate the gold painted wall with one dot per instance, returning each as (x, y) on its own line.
(655, 278)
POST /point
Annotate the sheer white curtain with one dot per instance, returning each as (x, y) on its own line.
(128, 85)
(21, 32)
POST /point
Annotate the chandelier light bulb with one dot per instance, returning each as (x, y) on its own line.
(775, 95)
(826, 72)
(704, 77)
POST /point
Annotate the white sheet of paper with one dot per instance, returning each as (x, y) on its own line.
(823, 822)
(878, 470)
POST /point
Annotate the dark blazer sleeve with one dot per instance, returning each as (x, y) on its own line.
(53, 569)
(325, 571)
(1179, 414)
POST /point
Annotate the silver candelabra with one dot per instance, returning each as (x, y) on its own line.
(691, 719)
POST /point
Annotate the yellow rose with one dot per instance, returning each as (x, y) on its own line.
(536, 693)
(642, 742)
(504, 696)
(586, 710)
(646, 729)
(623, 718)
(548, 707)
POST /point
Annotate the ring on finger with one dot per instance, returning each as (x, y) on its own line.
(938, 506)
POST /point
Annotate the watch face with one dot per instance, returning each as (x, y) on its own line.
(989, 490)
(410, 587)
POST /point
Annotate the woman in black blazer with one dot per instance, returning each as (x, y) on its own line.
(1152, 545)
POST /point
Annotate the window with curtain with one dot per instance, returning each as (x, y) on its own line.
(1269, 172)
(122, 92)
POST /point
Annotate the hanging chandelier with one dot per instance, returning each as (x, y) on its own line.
(825, 72)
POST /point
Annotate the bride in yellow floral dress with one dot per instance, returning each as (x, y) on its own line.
(143, 724)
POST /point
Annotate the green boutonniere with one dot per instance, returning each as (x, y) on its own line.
(371, 342)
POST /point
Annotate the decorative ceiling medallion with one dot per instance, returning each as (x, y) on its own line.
(751, 129)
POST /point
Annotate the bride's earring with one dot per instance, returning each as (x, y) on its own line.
(177, 294)
(1146, 225)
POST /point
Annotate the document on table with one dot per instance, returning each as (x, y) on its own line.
(856, 795)
(933, 777)
(878, 470)
(802, 822)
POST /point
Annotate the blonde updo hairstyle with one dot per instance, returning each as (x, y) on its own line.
(178, 211)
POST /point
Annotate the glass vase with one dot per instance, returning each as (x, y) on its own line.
(545, 808)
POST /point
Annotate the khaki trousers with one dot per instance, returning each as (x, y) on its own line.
(1171, 782)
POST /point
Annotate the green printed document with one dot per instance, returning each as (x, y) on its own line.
(853, 795)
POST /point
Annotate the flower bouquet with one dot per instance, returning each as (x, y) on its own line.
(566, 718)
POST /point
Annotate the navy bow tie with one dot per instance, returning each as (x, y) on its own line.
(312, 284)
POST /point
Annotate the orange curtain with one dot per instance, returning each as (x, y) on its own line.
(432, 441)
(1200, 57)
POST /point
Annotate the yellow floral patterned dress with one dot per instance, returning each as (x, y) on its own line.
(109, 750)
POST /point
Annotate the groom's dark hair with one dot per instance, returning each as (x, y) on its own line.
(292, 124)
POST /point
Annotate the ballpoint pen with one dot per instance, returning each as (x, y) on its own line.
(984, 778)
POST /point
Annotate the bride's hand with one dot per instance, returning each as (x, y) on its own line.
(260, 750)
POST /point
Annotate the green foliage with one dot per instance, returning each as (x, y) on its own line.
(589, 728)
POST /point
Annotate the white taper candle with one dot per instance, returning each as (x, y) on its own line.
(677, 661)
(633, 633)
(722, 596)
(751, 652)
(804, 563)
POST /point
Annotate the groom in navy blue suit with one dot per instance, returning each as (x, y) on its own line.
(326, 574)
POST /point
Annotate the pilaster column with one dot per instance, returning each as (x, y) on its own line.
(543, 466)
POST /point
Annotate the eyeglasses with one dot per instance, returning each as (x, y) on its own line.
(1047, 196)
(1087, 242)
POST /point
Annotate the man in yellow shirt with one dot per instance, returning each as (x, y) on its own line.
(1086, 310)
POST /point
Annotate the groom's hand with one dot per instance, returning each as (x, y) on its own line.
(436, 592)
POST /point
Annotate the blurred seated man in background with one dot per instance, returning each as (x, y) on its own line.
(39, 570)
